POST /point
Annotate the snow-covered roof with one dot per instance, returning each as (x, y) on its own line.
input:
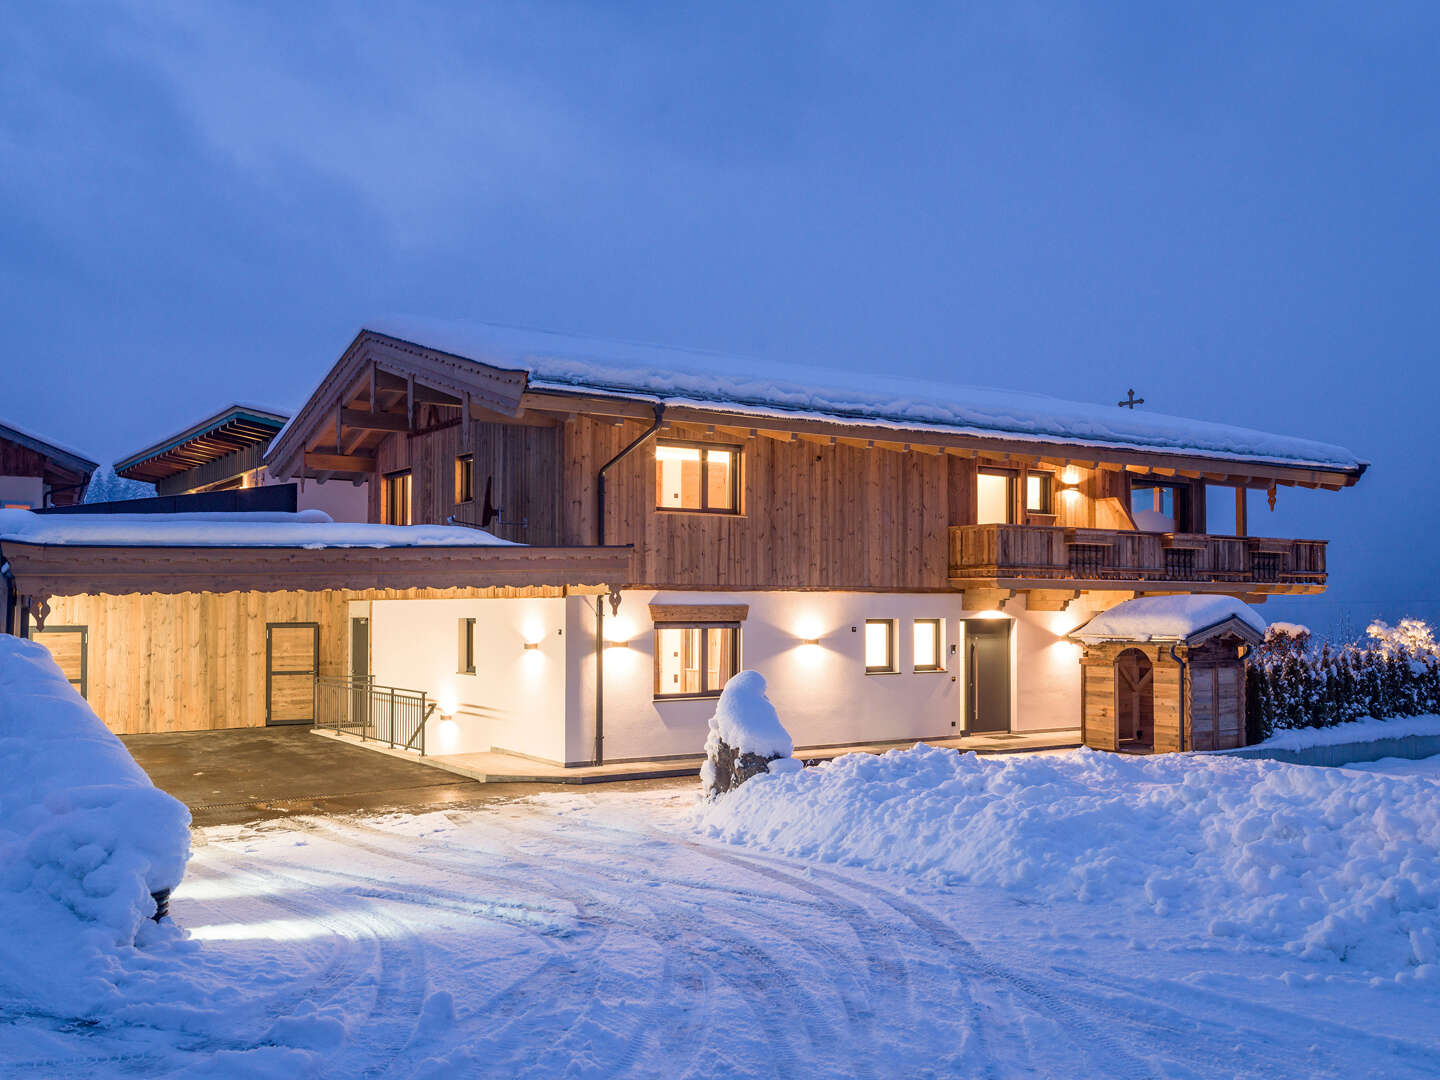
(567, 363)
(64, 455)
(236, 425)
(312, 529)
(1171, 618)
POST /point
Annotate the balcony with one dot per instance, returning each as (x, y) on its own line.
(1048, 557)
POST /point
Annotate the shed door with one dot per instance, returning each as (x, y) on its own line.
(292, 660)
(1229, 707)
(1202, 708)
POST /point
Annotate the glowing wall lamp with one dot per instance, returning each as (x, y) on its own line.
(532, 644)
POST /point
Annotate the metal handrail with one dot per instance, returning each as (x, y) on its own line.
(355, 705)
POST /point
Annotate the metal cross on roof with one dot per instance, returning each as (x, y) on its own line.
(1131, 401)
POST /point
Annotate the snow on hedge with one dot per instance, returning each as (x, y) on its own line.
(1327, 864)
(85, 838)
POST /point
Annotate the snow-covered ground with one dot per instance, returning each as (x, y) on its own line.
(602, 934)
(1425, 768)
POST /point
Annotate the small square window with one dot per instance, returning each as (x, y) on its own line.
(697, 660)
(880, 645)
(465, 478)
(929, 645)
(1040, 493)
(466, 665)
(697, 476)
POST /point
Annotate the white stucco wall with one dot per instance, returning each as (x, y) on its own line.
(541, 702)
(822, 692)
(515, 700)
(22, 491)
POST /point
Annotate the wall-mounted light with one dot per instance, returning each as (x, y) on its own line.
(810, 641)
(532, 644)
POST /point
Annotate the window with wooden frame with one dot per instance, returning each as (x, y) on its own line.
(694, 660)
(1040, 493)
(995, 497)
(880, 646)
(396, 498)
(929, 645)
(464, 478)
(699, 477)
(70, 648)
(466, 663)
(1160, 505)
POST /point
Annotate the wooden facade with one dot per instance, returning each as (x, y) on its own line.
(63, 476)
(198, 661)
(824, 504)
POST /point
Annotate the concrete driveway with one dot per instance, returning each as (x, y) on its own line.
(228, 777)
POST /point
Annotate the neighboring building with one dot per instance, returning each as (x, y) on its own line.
(225, 452)
(35, 472)
(901, 560)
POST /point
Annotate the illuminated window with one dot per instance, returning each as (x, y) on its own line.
(465, 478)
(466, 666)
(697, 476)
(994, 497)
(928, 645)
(880, 645)
(396, 504)
(695, 660)
(1039, 492)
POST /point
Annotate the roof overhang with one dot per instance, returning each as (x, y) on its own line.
(46, 570)
(56, 455)
(233, 428)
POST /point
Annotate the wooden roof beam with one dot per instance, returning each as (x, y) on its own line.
(351, 463)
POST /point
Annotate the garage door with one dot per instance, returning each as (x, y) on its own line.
(292, 659)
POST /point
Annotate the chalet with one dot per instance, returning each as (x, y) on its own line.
(35, 472)
(900, 559)
(225, 452)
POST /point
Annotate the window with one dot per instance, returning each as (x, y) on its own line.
(697, 476)
(880, 645)
(1040, 493)
(994, 497)
(695, 660)
(397, 498)
(70, 648)
(466, 664)
(465, 478)
(1157, 506)
(929, 645)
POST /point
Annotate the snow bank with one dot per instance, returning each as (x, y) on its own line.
(1359, 731)
(306, 529)
(85, 838)
(1168, 618)
(1327, 864)
(691, 377)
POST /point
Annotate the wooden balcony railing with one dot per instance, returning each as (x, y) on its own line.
(1040, 556)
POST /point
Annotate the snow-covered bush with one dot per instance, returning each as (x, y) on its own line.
(85, 839)
(1292, 683)
(1326, 864)
(746, 737)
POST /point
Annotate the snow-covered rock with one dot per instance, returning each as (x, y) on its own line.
(1330, 865)
(746, 737)
(85, 839)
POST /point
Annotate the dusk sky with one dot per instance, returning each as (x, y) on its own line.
(1230, 207)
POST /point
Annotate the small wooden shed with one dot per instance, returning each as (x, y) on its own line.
(1167, 673)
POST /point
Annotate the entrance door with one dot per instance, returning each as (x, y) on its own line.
(358, 713)
(987, 675)
(292, 660)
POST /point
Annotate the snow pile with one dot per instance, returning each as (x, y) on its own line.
(746, 737)
(689, 377)
(305, 529)
(1168, 618)
(1327, 864)
(1291, 628)
(1364, 730)
(85, 838)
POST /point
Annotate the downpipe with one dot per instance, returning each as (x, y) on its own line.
(1184, 667)
(12, 593)
(615, 595)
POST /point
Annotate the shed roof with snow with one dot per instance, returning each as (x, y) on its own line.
(1187, 620)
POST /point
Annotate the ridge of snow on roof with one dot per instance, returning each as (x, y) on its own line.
(1167, 618)
(565, 362)
(307, 529)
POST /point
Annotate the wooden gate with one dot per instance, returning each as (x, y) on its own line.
(1135, 697)
(1217, 707)
(292, 660)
